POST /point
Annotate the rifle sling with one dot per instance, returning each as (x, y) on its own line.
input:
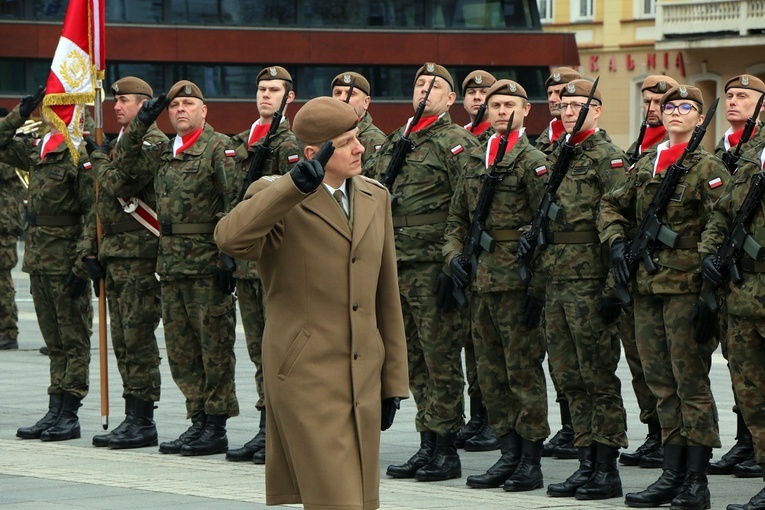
(505, 235)
(416, 220)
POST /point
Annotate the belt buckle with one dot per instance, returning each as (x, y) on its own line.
(130, 206)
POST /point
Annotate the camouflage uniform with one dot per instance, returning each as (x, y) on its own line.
(372, 138)
(194, 190)
(60, 194)
(584, 352)
(509, 354)
(128, 252)
(11, 204)
(675, 366)
(249, 289)
(424, 188)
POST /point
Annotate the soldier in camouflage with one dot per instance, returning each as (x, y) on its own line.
(194, 183)
(273, 83)
(422, 192)
(127, 259)
(505, 313)
(60, 196)
(475, 86)
(676, 361)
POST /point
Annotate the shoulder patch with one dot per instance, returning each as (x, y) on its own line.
(86, 165)
(230, 153)
(540, 170)
(457, 149)
(715, 183)
(293, 158)
(373, 181)
(377, 147)
(617, 163)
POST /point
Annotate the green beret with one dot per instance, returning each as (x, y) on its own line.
(507, 88)
(184, 88)
(582, 88)
(433, 69)
(131, 85)
(657, 83)
(274, 73)
(322, 119)
(477, 79)
(745, 81)
(683, 92)
(345, 80)
(561, 76)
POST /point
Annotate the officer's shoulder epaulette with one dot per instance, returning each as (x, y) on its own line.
(372, 181)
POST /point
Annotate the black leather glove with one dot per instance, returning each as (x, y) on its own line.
(443, 291)
(96, 272)
(30, 102)
(389, 408)
(91, 146)
(460, 273)
(524, 246)
(609, 309)
(307, 175)
(75, 287)
(532, 308)
(710, 273)
(151, 109)
(619, 267)
(704, 322)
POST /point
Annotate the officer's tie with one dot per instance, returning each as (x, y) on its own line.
(338, 195)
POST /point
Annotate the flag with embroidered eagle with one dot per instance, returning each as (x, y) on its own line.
(79, 60)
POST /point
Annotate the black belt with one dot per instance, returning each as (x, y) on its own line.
(121, 226)
(39, 220)
(176, 229)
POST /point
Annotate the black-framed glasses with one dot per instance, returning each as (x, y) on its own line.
(574, 106)
(682, 108)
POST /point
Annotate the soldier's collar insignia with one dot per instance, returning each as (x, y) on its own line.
(683, 92)
(346, 78)
(571, 88)
(556, 77)
(187, 89)
(430, 67)
(478, 79)
(272, 71)
(745, 81)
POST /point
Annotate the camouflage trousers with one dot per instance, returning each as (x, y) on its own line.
(722, 335)
(746, 351)
(9, 314)
(434, 344)
(584, 353)
(252, 307)
(645, 399)
(135, 308)
(471, 371)
(199, 322)
(66, 325)
(510, 373)
(676, 369)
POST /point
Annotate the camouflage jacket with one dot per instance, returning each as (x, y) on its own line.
(687, 214)
(285, 154)
(57, 188)
(371, 137)
(425, 185)
(140, 243)
(597, 167)
(746, 298)
(755, 143)
(197, 186)
(11, 202)
(523, 176)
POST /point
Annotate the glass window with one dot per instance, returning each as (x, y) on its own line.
(546, 13)
(259, 12)
(582, 10)
(50, 9)
(13, 76)
(135, 11)
(153, 74)
(11, 8)
(645, 8)
(483, 14)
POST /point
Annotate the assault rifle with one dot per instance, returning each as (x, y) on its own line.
(478, 117)
(404, 145)
(478, 239)
(651, 228)
(635, 156)
(548, 209)
(731, 158)
(738, 241)
(350, 92)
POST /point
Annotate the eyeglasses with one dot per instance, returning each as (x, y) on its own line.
(565, 106)
(682, 108)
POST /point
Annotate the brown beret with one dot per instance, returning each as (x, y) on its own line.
(433, 69)
(745, 81)
(345, 80)
(322, 119)
(477, 79)
(658, 83)
(582, 88)
(131, 85)
(184, 88)
(561, 76)
(274, 73)
(683, 92)
(506, 88)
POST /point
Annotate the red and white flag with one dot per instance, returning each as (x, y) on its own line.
(79, 60)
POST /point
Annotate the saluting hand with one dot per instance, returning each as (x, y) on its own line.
(151, 109)
(307, 175)
(30, 102)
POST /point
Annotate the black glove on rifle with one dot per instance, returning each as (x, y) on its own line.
(710, 273)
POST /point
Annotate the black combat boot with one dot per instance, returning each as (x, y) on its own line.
(495, 476)
(68, 425)
(142, 431)
(605, 482)
(419, 459)
(741, 451)
(748, 469)
(756, 503)
(212, 440)
(485, 441)
(445, 463)
(650, 450)
(695, 491)
(475, 424)
(101, 440)
(528, 473)
(259, 457)
(580, 477)
(561, 446)
(193, 432)
(51, 417)
(669, 484)
(257, 443)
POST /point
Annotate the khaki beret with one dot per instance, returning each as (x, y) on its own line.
(345, 80)
(274, 73)
(477, 79)
(131, 85)
(745, 81)
(582, 88)
(506, 88)
(322, 119)
(561, 76)
(683, 92)
(658, 83)
(184, 88)
(433, 69)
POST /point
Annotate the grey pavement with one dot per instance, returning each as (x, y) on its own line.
(74, 474)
